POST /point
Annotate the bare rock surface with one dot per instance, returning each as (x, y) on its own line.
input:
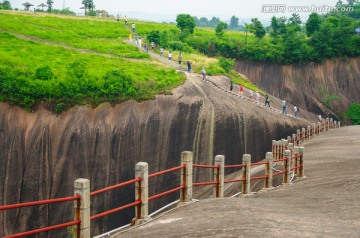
(325, 204)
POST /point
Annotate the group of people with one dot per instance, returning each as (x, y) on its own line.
(296, 109)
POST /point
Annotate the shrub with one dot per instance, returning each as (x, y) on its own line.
(44, 73)
(354, 113)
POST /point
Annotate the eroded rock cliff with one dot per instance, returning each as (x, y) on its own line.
(42, 153)
(308, 84)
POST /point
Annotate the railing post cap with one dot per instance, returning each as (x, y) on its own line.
(287, 152)
(141, 164)
(82, 183)
(269, 155)
(246, 157)
(219, 158)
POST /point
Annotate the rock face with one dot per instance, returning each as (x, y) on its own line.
(42, 153)
(306, 84)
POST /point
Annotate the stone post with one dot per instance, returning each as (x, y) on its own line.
(303, 131)
(286, 178)
(298, 136)
(331, 123)
(314, 130)
(142, 193)
(339, 125)
(289, 139)
(301, 151)
(294, 139)
(269, 170)
(320, 128)
(219, 176)
(291, 148)
(82, 208)
(308, 132)
(335, 124)
(327, 124)
(273, 147)
(246, 174)
(186, 176)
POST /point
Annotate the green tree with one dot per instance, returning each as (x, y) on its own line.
(88, 4)
(354, 113)
(50, 5)
(234, 22)
(44, 73)
(154, 36)
(257, 28)
(219, 30)
(185, 21)
(203, 22)
(313, 23)
(295, 21)
(214, 22)
(226, 64)
(5, 5)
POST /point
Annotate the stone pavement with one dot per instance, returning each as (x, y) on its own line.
(325, 204)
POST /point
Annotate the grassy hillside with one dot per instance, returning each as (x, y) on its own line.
(62, 62)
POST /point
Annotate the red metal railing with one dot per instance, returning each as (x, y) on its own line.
(136, 180)
(206, 167)
(43, 202)
(171, 190)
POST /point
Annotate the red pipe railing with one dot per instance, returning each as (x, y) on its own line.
(43, 202)
(115, 210)
(167, 171)
(115, 186)
(37, 231)
(166, 193)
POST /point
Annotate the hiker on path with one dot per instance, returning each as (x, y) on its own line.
(139, 41)
(320, 118)
(180, 58)
(231, 85)
(241, 89)
(161, 51)
(203, 71)
(251, 94)
(132, 26)
(152, 46)
(257, 97)
(126, 20)
(188, 66)
(284, 107)
(169, 55)
(117, 17)
(267, 100)
(296, 111)
(130, 38)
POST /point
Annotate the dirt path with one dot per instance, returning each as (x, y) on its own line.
(325, 204)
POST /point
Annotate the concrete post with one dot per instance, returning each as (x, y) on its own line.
(339, 125)
(320, 128)
(331, 123)
(303, 134)
(289, 139)
(273, 147)
(314, 130)
(246, 174)
(301, 151)
(219, 176)
(294, 139)
(269, 170)
(284, 144)
(298, 136)
(335, 124)
(186, 176)
(308, 132)
(82, 208)
(142, 193)
(291, 148)
(327, 124)
(286, 178)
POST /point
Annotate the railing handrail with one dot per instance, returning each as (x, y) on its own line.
(166, 171)
(115, 186)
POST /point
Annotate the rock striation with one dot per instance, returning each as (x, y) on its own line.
(308, 84)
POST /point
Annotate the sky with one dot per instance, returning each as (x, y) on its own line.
(167, 10)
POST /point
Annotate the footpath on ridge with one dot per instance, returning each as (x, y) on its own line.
(325, 204)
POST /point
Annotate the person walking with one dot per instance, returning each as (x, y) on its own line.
(152, 46)
(161, 51)
(320, 118)
(169, 55)
(231, 86)
(139, 41)
(188, 66)
(296, 111)
(203, 71)
(267, 100)
(118, 17)
(180, 58)
(132, 26)
(257, 97)
(251, 94)
(130, 38)
(126, 20)
(241, 89)
(284, 107)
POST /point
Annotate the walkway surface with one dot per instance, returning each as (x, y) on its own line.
(325, 204)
